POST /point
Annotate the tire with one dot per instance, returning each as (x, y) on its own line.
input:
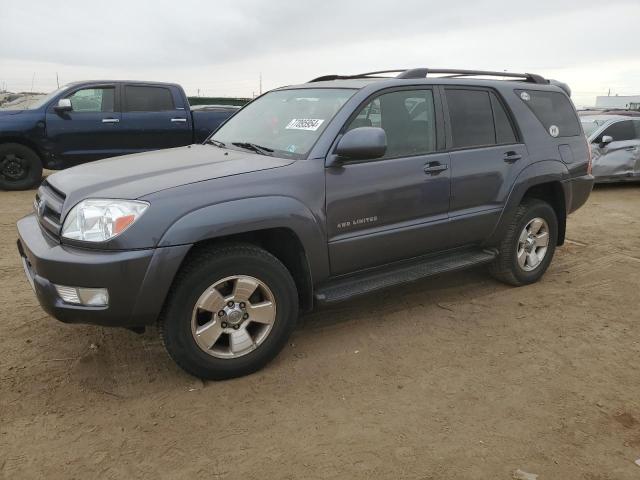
(506, 267)
(198, 284)
(20, 167)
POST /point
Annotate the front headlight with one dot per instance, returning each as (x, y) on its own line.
(97, 220)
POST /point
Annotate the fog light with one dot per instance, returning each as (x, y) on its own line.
(91, 297)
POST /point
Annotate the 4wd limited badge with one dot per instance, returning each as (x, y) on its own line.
(357, 221)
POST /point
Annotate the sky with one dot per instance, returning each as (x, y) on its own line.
(224, 47)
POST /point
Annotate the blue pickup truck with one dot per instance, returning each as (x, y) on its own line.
(87, 121)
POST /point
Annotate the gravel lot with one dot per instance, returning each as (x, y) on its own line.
(454, 377)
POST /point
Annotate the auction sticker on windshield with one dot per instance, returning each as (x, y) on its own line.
(304, 124)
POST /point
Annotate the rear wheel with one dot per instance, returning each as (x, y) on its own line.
(232, 311)
(20, 167)
(529, 244)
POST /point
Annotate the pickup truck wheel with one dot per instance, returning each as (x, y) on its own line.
(20, 167)
(232, 311)
(528, 247)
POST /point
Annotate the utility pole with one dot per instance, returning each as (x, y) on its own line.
(260, 83)
(33, 79)
(57, 80)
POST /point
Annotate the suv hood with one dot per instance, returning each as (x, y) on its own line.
(137, 175)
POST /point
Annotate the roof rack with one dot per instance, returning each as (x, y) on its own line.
(424, 72)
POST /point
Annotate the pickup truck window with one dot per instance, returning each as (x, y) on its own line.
(288, 122)
(147, 99)
(407, 117)
(99, 99)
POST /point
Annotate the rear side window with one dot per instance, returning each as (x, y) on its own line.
(147, 99)
(553, 110)
(620, 131)
(478, 119)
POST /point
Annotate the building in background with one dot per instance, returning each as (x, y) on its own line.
(631, 102)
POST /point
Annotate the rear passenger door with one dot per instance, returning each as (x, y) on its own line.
(154, 117)
(486, 156)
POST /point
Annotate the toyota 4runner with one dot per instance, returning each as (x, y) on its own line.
(309, 195)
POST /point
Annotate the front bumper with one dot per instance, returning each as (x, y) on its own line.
(138, 280)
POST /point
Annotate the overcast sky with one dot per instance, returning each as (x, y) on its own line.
(221, 47)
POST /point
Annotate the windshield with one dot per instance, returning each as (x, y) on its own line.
(589, 125)
(284, 123)
(30, 103)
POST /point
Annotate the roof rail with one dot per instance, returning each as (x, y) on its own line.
(424, 72)
(358, 75)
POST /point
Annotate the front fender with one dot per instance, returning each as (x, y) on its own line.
(545, 171)
(254, 214)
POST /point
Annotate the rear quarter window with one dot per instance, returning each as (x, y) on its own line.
(554, 111)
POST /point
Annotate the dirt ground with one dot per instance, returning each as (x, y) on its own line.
(455, 377)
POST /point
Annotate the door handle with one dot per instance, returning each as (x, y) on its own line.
(181, 120)
(512, 157)
(110, 120)
(434, 168)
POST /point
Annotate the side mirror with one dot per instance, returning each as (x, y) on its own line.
(64, 105)
(606, 140)
(363, 143)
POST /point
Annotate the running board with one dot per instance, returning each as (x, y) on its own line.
(409, 271)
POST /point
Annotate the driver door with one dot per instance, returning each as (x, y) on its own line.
(394, 207)
(89, 131)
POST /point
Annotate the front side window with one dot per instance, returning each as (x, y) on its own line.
(100, 99)
(284, 122)
(147, 99)
(408, 119)
(620, 131)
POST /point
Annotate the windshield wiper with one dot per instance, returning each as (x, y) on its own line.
(217, 143)
(254, 147)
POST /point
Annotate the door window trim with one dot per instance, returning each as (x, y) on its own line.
(449, 135)
(439, 116)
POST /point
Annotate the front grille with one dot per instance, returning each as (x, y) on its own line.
(48, 206)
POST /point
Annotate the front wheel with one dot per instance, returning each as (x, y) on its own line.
(231, 312)
(20, 167)
(529, 244)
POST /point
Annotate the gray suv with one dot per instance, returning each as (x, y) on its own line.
(309, 195)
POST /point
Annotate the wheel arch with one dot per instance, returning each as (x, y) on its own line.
(281, 225)
(282, 243)
(544, 181)
(25, 143)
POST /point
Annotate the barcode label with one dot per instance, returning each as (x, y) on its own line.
(304, 124)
